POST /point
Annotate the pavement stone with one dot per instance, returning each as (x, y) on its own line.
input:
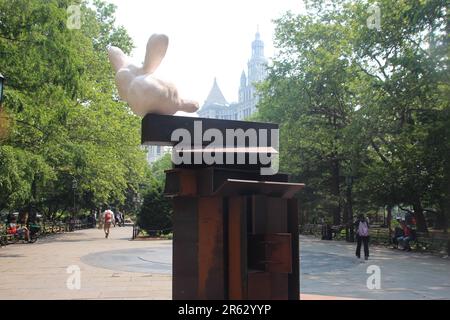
(117, 268)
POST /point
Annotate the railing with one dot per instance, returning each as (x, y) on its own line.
(319, 230)
(380, 236)
(48, 228)
(435, 242)
(311, 229)
(158, 233)
(136, 231)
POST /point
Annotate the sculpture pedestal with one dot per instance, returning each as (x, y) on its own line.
(235, 232)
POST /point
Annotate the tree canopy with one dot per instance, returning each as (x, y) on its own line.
(364, 111)
(65, 136)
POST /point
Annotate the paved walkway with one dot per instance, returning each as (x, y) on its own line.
(39, 271)
(331, 268)
(117, 268)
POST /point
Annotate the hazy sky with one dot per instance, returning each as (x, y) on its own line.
(208, 38)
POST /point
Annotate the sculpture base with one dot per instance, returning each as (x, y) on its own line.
(233, 238)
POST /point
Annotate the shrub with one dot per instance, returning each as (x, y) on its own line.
(156, 211)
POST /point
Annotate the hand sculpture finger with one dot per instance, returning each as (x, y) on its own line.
(118, 58)
(188, 106)
(143, 92)
(156, 50)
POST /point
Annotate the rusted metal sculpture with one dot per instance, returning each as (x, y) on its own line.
(235, 230)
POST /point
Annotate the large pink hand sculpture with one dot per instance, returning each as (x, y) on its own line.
(143, 92)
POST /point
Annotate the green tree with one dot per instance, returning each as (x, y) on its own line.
(156, 211)
(308, 93)
(363, 103)
(64, 119)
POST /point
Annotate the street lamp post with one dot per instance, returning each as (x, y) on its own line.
(74, 187)
(2, 82)
(137, 201)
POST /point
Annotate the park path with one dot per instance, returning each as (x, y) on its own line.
(331, 268)
(117, 268)
(39, 270)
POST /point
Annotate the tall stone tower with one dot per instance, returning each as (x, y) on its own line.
(256, 72)
(257, 64)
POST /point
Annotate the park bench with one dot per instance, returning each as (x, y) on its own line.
(432, 242)
(6, 238)
(338, 231)
(310, 229)
(379, 235)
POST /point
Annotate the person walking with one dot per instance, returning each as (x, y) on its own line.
(108, 218)
(362, 236)
(118, 219)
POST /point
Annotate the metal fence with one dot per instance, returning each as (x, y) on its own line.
(50, 227)
(433, 241)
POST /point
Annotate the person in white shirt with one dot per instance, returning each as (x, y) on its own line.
(107, 218)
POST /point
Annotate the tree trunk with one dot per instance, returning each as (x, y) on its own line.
(420, 217)
(349, 214)
(335, 190)
(389, 222)
(446, 200)
(347, 230)
(443, 215)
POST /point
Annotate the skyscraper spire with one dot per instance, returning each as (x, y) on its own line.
(257, 63)
(257, 46)
(243, 79)
(216, 105)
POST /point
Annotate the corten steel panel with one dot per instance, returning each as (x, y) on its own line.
(180, 183)
(188, 182)
(233, 187)
(267, 286)
(270, 252)
(220, 176)
(185, 248)
(294, 277)
(205, 181)
(237, 249)
(279, 283)
(158, 129)
(210, 249)
(256, 252)
(211, 179)
(259, 285)
(259, 214)
(208, 180)
(276, 215)
(278, 248)
(277, 223)
(172, 184)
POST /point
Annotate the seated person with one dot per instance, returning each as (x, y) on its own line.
(12, 228)
(15, 229)
(406, 238)
(398, 233)
(34, 226)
